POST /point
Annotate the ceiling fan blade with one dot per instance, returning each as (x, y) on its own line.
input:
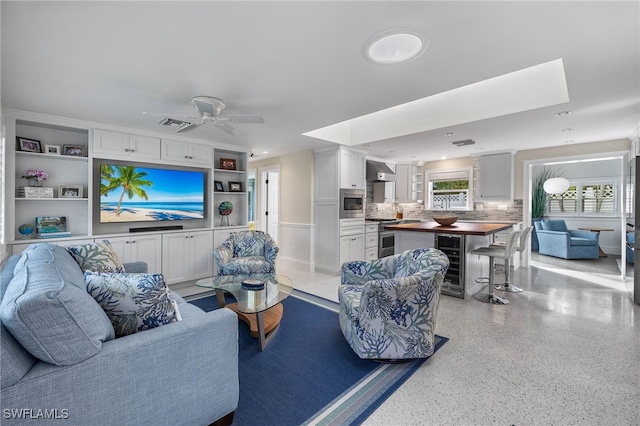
(174, 116)
(188, 126)
(248, 119)
(227, 128)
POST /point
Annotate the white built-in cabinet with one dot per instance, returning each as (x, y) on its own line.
(408, 184)
(352, 169)
(335, 169)
(384, 192)
(495, 177)
(182, 255)
(139, 247)
(190, 153)
(351, 248)
(371, 241)
(187, 256)
(108, 144)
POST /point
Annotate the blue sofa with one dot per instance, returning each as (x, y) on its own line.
(554, 239)
(61, 363)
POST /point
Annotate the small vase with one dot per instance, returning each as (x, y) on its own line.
(35, 182)
(224, 221)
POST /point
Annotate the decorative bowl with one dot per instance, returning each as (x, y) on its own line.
(446, 220)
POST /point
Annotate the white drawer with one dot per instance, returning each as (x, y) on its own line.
(371, 228)
(371, 253)
(351, 230)
(371, 240)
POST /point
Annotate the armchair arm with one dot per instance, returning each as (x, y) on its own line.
(188, 370)
(136, 267)
(590, 235)
(223, 254)
(554, 237)
(271, 252)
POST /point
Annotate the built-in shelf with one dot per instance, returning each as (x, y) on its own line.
(52, 199)
(51, 156)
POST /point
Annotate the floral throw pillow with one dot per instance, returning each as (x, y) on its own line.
(133, 302)
(97, 257)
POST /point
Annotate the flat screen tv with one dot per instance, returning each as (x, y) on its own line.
(142, 194)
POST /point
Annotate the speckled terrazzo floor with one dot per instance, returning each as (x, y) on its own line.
(564, 352)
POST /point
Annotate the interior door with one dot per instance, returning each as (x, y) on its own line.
(270, 206)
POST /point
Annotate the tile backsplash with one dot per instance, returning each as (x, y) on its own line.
(507, 211)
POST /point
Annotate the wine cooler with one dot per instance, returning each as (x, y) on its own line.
(453, 247)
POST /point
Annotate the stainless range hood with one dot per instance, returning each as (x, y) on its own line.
(379, 172)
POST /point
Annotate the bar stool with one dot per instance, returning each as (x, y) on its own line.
(522, 245)
(501, 253)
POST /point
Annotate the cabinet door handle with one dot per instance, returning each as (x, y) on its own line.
(132, 150)
(127, 150)
(186, 156)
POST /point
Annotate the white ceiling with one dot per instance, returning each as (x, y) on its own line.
(300, 66)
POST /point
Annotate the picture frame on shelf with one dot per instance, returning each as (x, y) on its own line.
(228, 164)
(218, 187)
(70, 191)
(74, 150)
(52, 149)
(28, 145)
(235, 186)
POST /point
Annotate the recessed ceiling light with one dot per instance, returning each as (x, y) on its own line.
(566, 130)
(395, 46)
(450, 133)
(569, 141)
(561, 113)
(443, 158)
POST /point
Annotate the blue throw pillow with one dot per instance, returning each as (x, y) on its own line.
(97, 257)
(133, 302)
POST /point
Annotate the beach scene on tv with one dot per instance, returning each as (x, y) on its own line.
(139, 194)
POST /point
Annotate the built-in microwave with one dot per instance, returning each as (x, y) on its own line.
(351, 203)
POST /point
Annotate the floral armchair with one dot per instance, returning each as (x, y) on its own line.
(246, 252)
(388, 306)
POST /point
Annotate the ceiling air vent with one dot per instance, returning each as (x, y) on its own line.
(463, 143)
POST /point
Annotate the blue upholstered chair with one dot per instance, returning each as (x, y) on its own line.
(388, 306)
(554, 239)
(246, 252)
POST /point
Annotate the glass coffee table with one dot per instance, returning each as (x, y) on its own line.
(257, 305)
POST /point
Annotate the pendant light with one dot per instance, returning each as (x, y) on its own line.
(556, 185)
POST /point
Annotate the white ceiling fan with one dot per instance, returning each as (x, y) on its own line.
(210, 109)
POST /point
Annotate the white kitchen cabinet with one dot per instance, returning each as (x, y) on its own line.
(187, 256)
(408, 185)
(384, 192)
(371, 241)
(185, 152)
(351, 248)
(495, 177)
(108, 144)
(352, 169)
(144, 248)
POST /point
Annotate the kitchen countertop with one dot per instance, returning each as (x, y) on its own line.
(461, 228)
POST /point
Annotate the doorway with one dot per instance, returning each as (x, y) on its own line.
(615, 167)
(269, 219)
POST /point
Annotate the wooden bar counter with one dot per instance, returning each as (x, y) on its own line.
(458, 228)
(460, 238)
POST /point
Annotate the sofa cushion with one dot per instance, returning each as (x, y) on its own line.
(246, 266)
(554, 225)
(133, 302)
(48, 311)
(97, 257)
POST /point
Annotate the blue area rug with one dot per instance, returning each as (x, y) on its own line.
(308, 374)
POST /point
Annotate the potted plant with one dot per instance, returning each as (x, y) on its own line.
(539, 199)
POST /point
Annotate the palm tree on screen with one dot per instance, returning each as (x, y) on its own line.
(125, 177)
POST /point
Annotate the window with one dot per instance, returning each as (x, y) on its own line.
(450, 189)
(585, 198)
